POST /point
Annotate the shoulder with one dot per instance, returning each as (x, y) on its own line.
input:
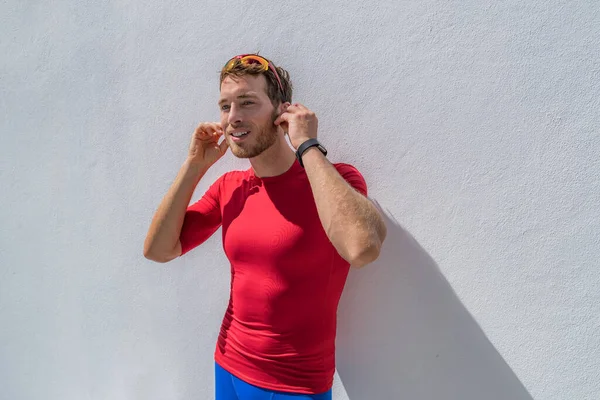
(228, 182)
(343, 167)
(234, 178)
(353, 176)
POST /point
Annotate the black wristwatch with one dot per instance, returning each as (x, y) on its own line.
(307, 145)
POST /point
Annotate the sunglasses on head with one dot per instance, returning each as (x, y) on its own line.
(253, 59)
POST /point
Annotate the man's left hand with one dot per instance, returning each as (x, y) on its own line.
(302, 124)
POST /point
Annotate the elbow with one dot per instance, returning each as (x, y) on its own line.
(149, 255)
(156, 258)
(369, 252)
(365, 255)
(153, 255)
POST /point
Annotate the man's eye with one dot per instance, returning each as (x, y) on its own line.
(224, 107)
(247, 103)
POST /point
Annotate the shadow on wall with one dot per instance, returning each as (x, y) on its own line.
(404, 334)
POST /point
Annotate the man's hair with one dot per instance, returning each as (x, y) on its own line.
(273, 90)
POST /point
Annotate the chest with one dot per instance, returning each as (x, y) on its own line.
(273, 226)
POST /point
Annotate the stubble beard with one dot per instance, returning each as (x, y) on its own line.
(265, 137)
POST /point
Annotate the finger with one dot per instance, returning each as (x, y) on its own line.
(205, 126)
(207, 137)
(209, 128)
(217, 127)
(214, 129)
(283, 117)
(299, 106)
(208, 132)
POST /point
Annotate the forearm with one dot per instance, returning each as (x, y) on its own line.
(351, 221)
(162, 241)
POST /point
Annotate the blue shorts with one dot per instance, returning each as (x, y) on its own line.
(228, 387)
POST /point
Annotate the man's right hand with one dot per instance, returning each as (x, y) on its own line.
(162, 242)
(205, 148)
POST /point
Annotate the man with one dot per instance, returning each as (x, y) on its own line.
(292, 224)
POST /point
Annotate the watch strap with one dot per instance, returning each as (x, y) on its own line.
(307, 145)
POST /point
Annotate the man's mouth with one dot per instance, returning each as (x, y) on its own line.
(238, 136)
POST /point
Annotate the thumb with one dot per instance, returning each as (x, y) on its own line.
(281, 118)
(223, 146)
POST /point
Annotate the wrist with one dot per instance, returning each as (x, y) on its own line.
(195, 168)
(311, 153)
(307, 149)
(297, 143)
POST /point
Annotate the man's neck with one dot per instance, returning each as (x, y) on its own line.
(274, 161)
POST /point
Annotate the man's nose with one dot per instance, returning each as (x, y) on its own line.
(234, 117)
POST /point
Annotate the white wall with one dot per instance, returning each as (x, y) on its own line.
(476, 125)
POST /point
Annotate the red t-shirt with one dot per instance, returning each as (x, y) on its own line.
(279, 329)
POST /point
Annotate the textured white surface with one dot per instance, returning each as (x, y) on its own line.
(475, 123)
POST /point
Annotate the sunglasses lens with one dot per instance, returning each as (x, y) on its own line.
(247, 60)
(230, 64)
(253, 60)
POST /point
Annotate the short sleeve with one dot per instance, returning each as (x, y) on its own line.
(202, 218)
(353, 177)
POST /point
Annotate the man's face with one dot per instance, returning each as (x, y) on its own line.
(245, 107)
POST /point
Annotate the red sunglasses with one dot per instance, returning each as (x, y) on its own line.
(253, 59)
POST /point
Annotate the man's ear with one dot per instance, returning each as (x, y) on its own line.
(284, 106)
(280, 110)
